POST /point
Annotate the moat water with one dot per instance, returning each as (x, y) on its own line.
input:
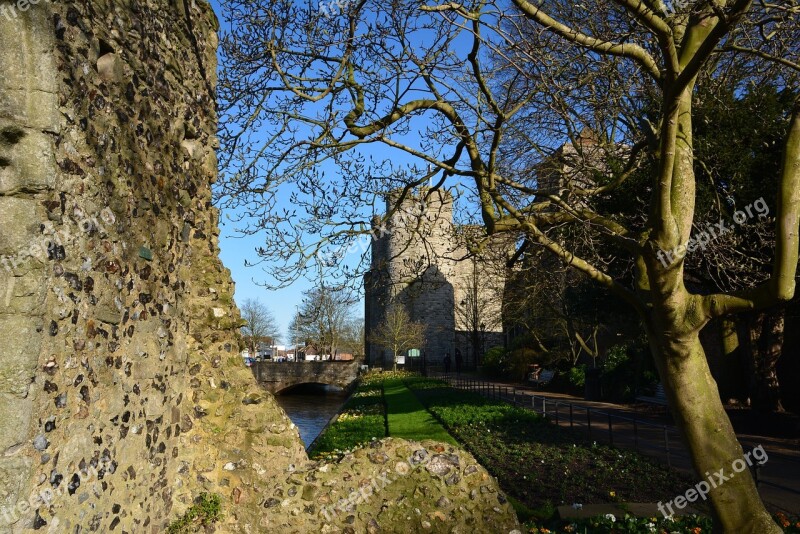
(310, 407)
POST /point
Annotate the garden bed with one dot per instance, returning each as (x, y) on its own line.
(542, 466)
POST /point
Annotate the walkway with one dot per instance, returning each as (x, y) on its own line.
(651, 434)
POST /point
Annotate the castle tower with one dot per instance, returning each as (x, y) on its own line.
(413, 263)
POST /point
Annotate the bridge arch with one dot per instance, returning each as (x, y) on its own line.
(278, 377)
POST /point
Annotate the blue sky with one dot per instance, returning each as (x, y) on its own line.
(237, 248)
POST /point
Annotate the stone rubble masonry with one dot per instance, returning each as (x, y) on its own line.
(119, 351)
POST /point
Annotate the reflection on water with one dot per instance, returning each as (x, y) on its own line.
(310, 407)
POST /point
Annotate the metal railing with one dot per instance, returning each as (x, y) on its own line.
(647, 436)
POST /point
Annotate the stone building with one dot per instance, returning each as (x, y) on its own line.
(421, 259)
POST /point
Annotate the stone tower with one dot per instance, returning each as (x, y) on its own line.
(420, 259)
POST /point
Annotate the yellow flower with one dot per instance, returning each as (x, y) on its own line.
(612, 493)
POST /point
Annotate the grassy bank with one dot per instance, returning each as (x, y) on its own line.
(362, 419)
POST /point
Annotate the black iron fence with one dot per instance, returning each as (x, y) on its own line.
(661, 441)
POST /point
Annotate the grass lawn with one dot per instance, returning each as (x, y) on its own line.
(362, 419)
(407, 417)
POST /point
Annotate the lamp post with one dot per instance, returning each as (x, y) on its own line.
(296, 334)
(483, 341)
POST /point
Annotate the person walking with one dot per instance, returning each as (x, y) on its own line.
(459, 361)
(446, 362)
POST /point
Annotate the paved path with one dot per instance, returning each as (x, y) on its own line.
(652, 434)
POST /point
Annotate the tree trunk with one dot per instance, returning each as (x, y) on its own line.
(765, 346)
(699, 414)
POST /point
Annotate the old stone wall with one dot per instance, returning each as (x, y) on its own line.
(122, 393)
(119, 360)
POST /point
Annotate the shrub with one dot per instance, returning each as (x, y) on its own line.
(518, 362)
(577, 376)
(494, 362)
(617, 374)
(207, 509)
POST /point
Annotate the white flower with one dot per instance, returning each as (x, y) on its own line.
(577, 506)
(611, 517)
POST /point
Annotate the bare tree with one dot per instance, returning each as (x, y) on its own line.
(261, 325)
(354, 337)
(395, 95)
(398, 332)
(324, 318)
(480, 309)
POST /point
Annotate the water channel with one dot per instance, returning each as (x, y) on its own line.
(310, 407)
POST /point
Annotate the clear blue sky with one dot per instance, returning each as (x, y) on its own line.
(236, 249)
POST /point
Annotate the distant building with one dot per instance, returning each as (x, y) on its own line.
(420, 260)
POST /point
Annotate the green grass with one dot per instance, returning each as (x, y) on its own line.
(407, 417)
(362, 419)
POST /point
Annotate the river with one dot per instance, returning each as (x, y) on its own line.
(310, 407)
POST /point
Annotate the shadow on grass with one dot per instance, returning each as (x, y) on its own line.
(407, 418)
(539, 464)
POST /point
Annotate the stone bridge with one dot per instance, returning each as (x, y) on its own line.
(276, 377)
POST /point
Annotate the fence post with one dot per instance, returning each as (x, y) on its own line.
(666, 445)
(533, 403)
(515, 397)
(589, 421)
(556, 413)
(610, 431)
(570, 415)
(635, 435)
(544, 406)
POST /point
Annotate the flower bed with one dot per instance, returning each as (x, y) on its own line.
(542, 466)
